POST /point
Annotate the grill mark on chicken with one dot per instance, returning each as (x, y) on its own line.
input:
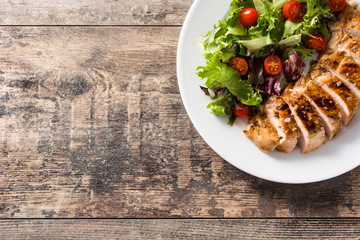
(327, 108)
(281, 117)
(312, 132)
(345, 98)
(349, 73)
(327, 61)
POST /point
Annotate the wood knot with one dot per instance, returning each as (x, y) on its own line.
(76, 86)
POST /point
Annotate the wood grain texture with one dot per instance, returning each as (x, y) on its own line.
(90, 12)
(92, 126)
(180, 229)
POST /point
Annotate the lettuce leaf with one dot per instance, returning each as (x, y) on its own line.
(315, 20)
(301, 50)
(269, 23)
(291, 41)
(219, 74)
(255, 44)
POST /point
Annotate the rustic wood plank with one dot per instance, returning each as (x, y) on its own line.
(181, 229)
(92, 125)
(89, 12)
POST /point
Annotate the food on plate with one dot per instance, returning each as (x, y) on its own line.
(279, 114)
(316, 42)
(294, 11)
(344, 97)
(267, 60)
(248, 17)
(239, 64)
(337, 5)
(263, 133)
(324, 105)
(243, 111)
(272, 65)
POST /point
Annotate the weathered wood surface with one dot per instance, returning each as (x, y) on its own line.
(181, 229)
(94, 12)
(92, 126)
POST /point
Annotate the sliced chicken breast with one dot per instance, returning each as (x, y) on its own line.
(343, 96)
(279, 114)
(262, 133)
(312, 132)
(315, 106)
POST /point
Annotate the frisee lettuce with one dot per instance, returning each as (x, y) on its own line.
(219, 74)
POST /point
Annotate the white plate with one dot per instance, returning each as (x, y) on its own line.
(333, 159)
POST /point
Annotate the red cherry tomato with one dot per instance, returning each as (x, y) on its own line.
(272, 65)
(294, 11)
(248, 17)
(317, 42)
(243, 111)
(337, 5)
(239, 64)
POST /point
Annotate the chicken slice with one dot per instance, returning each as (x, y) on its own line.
(312, 132)
(280, 116)
(329, 60)
(349, 72)
(326, 107)
(262, 133)
(340, 65)
(344, 97)
(342, 41)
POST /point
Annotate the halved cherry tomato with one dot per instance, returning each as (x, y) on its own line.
(272, 65)
(337, 5)
(243, 111)
(248, 17)
(239, 64)
(317, 42)
(294, 11)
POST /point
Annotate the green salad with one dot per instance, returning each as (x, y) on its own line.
(257, 49)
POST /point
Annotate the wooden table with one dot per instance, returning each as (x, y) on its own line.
(95, 142)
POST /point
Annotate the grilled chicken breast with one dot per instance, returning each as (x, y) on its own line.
(279, 114)
(262, 133)
(316, 105)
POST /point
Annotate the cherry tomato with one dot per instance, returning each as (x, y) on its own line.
(337, 5)
(272, 65)
(243, 111)
(239, 64)
(248, 17)
(317, 42)
(294, 11)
